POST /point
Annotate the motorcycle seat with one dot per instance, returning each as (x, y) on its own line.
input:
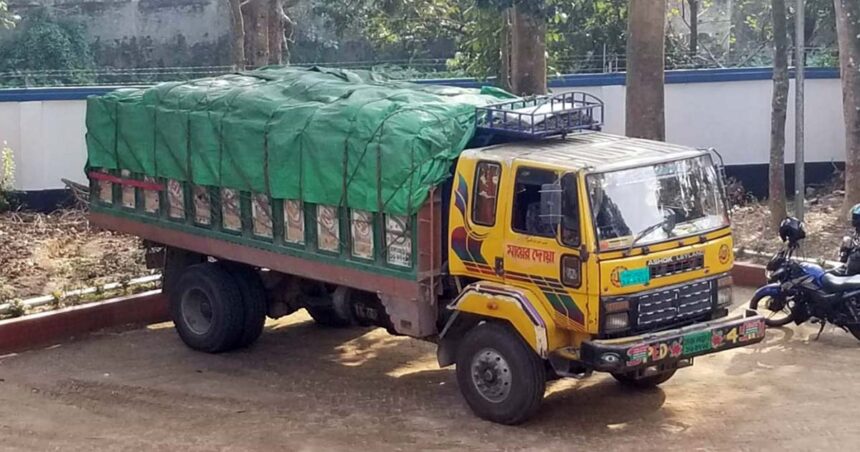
(835, 283)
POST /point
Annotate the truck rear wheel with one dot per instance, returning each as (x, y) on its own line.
(329, 308)
(253, 295)
(499, 375)
(651, 381)
(206, 306)
(327, 316)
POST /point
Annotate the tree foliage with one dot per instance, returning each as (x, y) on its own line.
(47, 51)
(7, 18)
(472, 29)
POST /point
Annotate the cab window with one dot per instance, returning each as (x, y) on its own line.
(486, 193)
(570, 225)
(525, 214)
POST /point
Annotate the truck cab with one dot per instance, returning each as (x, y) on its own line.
(603, 253)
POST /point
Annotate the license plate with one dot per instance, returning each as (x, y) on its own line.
(635, 276)
(697, 342)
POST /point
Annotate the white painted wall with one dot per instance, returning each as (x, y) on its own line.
(47, 138)
(733, 117)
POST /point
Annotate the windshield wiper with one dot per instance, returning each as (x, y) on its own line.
(665, 223)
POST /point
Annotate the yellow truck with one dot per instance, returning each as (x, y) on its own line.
(540, 248)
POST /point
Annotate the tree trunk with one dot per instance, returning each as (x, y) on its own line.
(528, 53)
(237, 35)
(257, 32)
(276, 31)
(505, 50)
(646, 55)
(776, 183)
(694, 28)
(848, 32)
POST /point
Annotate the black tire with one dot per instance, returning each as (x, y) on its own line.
(646, 382)
(855, 331)
(176, 260)
(508, 400)
(207, 309)
(768, 313)
(326, 316)
(253, 295)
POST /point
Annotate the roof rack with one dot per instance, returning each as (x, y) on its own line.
(542, 116)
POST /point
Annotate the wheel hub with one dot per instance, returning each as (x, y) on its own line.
(775, 304)
(196, 311)
(491, 375)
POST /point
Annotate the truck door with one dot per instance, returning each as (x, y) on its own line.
(541, 247)
(476, 220)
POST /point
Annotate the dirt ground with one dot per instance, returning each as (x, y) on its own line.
(825, 221)
(306, 388)
(42, 254)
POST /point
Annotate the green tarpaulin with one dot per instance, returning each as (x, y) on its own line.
(325, 136)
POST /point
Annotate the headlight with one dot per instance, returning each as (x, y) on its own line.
(617, 321)
(724, 291)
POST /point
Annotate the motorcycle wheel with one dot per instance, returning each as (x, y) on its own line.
(855, 331)
(776, 313)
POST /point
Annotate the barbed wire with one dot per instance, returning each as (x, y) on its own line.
(415, 68)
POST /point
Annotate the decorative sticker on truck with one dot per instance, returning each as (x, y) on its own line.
(202, 206)
(531, 254)
(725, 254)
(261, 213)
(175, 199)
(294, 222)
(328, 228)
(105, 190)
(128, 192)
(398, 240)
(362, 234)
(231, 211)
(151, 201)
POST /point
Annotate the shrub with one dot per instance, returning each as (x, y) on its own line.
(7, 175)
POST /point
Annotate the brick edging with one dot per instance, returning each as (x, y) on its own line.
(52, 327)
(748, 274)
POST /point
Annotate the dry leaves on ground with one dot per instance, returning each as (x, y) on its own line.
(825, 221)
(42, 254)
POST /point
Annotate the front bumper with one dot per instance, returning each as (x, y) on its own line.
(630, 354)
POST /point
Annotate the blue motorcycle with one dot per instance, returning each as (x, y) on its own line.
(799, 291)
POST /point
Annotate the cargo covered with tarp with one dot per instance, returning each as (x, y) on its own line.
(322, 136)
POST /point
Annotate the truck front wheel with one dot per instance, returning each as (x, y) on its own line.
(648, 382)
(499, 375)
(206, 306)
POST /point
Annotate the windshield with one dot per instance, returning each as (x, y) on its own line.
(655, 203)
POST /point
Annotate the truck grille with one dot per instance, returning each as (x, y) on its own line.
(686, 264)
(673, 305)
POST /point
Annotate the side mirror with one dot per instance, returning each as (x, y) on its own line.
(550, 204)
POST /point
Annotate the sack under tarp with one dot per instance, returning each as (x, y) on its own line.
(323, 136)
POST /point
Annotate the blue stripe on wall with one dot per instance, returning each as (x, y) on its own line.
(562, 81)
